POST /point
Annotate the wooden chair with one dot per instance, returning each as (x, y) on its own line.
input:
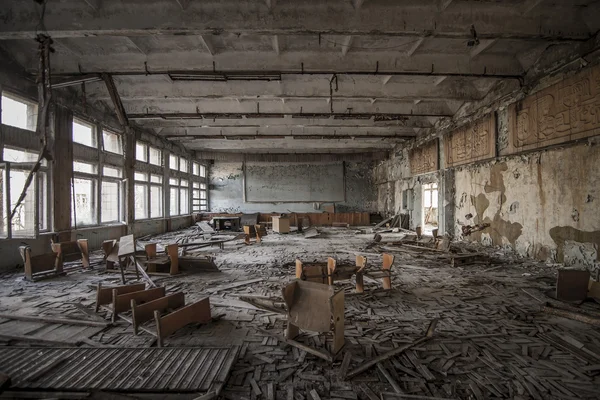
(315, 307)
(71, 251)
(385, 274)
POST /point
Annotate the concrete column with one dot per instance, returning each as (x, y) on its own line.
(128, 171)
(447, 202)
(62, 172)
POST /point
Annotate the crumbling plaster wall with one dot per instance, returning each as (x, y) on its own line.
(227, 188)
(543, 204)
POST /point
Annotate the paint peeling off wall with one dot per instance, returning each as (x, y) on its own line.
(544, 205)
(227, 188)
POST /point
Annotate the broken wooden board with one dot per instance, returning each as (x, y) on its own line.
(145, 312)
(122, 302)
(198, 312)
(104, 295)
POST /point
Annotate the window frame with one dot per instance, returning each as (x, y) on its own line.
(121, 195)
(118, 135)
(92, 126)
(30, 125)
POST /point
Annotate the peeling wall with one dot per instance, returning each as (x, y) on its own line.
(227, 188)
(544, 204)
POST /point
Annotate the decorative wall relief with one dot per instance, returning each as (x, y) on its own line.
(424, 159)
(563, 112)
(472, 142)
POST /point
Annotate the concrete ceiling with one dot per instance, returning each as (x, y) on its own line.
(289, 76)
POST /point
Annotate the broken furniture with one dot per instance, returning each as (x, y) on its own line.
(126, 254)
(166, 325)
(110, 248)
(330, 272)
(104, 295)
(252, 230)
(281, 224)
(71, 251)
(227, 223)
(169, 261)
(141, 313)
(315, 307)
(40, 266)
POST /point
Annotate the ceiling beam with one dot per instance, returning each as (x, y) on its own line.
(183, 4)
(482, 46)
(275, 43)
(348, 116)
(67, 20)
(207, 45)
(529, 5)
(116, 99)
(346, 45)
(93, 4)
(443, 4)
(417, 43)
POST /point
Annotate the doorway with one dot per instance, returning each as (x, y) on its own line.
(430, 207)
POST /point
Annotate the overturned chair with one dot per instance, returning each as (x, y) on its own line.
(315, 307)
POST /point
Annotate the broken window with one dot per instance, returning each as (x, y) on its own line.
(83, 202)
(111, 142)
(155, 156)
(141, 151)
(84, 133)
(430, 204)
(18, 112)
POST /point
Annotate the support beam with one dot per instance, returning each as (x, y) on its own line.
(93, 4)
(416, 44)
(275, 42)
(529, 6)
(440, 80)
(482, 46)
(375, 116)
(444, 4)
(207, 45)
(346, 45)
(62, 172)
(116, 99)
(183, 4)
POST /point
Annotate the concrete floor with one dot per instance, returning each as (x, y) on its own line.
(491, 341)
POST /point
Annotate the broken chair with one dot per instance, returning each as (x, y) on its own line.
(315, 307)
(71, 251)
(40, 266)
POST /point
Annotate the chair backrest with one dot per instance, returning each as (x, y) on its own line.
(309, 305)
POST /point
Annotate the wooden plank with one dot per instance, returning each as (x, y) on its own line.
(104, 295)
(122, 302)
(145, 312)
(321, 354)
(337, 311)
(50, 320)
(198, 312)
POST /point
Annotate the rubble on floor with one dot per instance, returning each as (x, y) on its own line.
(492, 338)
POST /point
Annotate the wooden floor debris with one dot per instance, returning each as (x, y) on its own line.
(494, 336)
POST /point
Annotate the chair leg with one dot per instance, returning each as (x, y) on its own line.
(360, 285)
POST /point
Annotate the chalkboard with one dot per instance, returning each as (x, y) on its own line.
(294, 182)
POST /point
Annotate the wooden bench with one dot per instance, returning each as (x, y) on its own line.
(145, 312)
(72, 251)
(122, 302)
(198, 312)
(104, 295)
(40, 266)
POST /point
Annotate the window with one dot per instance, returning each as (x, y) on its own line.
(110, 206)
(199, 201)
(87, 168)
(111, 142)
(155, 156)
(141, 151)
(112, 172)
(141, 201)
(173, 162)
(84, 133)
(202, 171)
(195, 169)
(148, 195)
(111, 198)
(32, 214)
(183, 165)
(18, 112)
(83, 202)
(174, 199)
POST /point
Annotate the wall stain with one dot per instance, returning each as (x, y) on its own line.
(560, 234)
(499, 228)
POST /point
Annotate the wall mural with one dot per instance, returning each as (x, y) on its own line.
(563, 112)
(424, 159)
(472, 142)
